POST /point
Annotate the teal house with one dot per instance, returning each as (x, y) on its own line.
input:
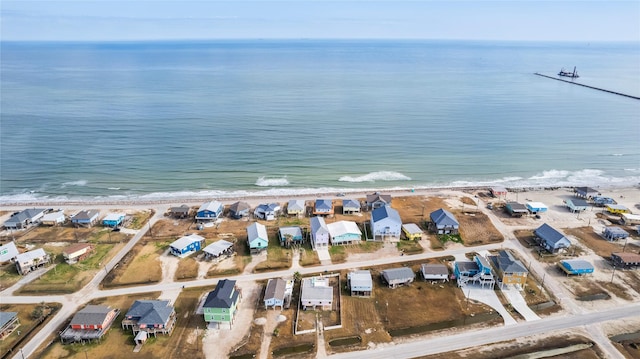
(221, 304)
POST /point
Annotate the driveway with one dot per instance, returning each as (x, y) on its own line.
(489, 297)
(516, 299)
(323, 255)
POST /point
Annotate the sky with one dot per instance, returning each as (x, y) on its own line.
(508, 20)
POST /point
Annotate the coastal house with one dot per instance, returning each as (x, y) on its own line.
(319, 233)
(149, 317)
(267, 211)
(316, 292)
(396, 277)
(8, 252)
(377, 200)
(617, 209)
(221, 304)
(344, 232)
(601, 201)
(290, 235)
(186, 245)
(217, 249)
(89, 324)
(444, 222)
(77, 252)
(277, 293)
(586, 192)
(478, 272)
(113, 219)
(209, 211)
(551, 239)
(323, 207)
(29, 261)
(24, 218)
(9, 322)
(613, 233)
(575, 266)
(53, 218)
(498, 192)
(412, 232)
(385, 224)
(516, 209)
(510, 271)
(239, 210)
(180, 211)
(629, 219)
(625, 260)
(296, 207)
(434, 272)
(257, 237)
(536, 207)
(350, 206)
(85, 218)
(360, 283)
(576, 205)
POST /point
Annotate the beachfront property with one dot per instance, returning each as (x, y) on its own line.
(296, 207)
(617, 209)
(360, 283)
(516, 209)
(77, 252)
(179, 211)
(9, 322)
(29, 261)
(498, 192)
(217, 249)
(8, 252)
(477, 271)
(319, 233)
(576, 205)
(536, 207)
(323, 207)
(586, 192)
(113, 220)
(385, 224)
(290, 235)
(85, 218)
(24, 218)
(575, 266)
(257, 237)
(377, 200)
(551, 239)
(396, 277)
(443, 222)
(239, 210)
(613, 233)
(412, 232)
(629, 219)
(209, 211)
(434, 272)
(146, 317)
(350, 206)
(625, 260)
(510, 271)
(53, 218)
(221, 304)
(267, 211)
(344, 232)
(316, 292)
(601, 201)
(89, 324)
(186, 245)
(277, 293)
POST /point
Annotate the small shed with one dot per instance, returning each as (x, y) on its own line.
(617, 209)
(498, 192)
(217, 249)
(576, 266)
(516, 209)
(536, 207)
(398, 276)
(625, 260)
(613, 233)
(586, 192)
(186, 245)
(434, 272)
(576, 204)
(412, 231)
(360, 283)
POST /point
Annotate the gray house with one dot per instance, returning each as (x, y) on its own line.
(398, 276)
(360, 283)
(239, 210)
(378, 200)
(613, 233)
(586, 192)
(443, 222)
(434, 272)
(24, 218)
(551, 239)
(275, 293)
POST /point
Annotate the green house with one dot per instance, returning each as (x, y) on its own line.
(221, 304)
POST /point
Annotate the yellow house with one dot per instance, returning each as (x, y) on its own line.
(617, 209)
(412, 231)
(509, 269)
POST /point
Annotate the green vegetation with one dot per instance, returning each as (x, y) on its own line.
(277, 257)
(444, 238)
(410, 247)
(139, 219)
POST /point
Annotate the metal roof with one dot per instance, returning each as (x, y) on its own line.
(213, 206)
(549, 234)
(185, 241)
(434, 269)
(508, 264)
(323, 205)
(576, 264)
(224, 296)
(91, 315)
(150, 311)
(343, 227)
(86, 214)
(294, 231)
(360, 279)
(350, 203)
(383, 212)
(257, 230)
(275, 289)
(318, 225)
(402, 273)
(442, 217)
(8, 252)
(6, 317)
(412, 228)
(216, 248)
(29, 256)
(296, 205)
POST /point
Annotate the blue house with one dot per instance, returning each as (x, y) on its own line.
(576, 266)
(186, 245)
(385, 224)
(477, 271)
(576, 205)
(536, 207)
(550, 239)
(113, 219)
(85, 218)
(257, 237)
(613, 233)
(323, 207)
(209, 211)
(344, 232)
(292, 233)
(443, 222)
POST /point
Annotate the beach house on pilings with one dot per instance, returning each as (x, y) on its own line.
(477, 271)
(221, 304)
(550, 239)
(209, 211)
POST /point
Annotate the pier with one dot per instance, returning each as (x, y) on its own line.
(591, 87)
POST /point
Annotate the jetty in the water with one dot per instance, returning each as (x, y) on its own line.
(591, 87)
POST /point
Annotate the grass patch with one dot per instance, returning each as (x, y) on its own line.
(187, 269)
(29, 324)
(444, 238)
(410, 247)
(595, 242)
(139, 219)
(278, 257)
(338, 254)
(308, 257)
(8, 276)
(139, 266)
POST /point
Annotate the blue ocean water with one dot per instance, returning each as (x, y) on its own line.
(157, 120)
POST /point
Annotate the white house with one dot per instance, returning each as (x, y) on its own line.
(316, 292)
(319, 233)
(360, 283)
(53, 218)
(296, 207)
(30, 261)
(385, 224)
(8, 252)
(267, 211)
(277, 293)
(344, 232)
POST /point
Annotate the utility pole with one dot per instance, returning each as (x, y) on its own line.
(612, 274)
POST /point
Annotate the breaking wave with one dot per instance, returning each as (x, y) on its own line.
(272, 182)
(376, 176)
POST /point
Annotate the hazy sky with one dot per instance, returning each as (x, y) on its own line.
(154, 20)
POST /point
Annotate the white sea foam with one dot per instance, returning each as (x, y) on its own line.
(376, 176)
(79, 183)
(114, 188)
(272, 182)
(617, 154)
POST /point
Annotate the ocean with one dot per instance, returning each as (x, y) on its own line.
(219, 119)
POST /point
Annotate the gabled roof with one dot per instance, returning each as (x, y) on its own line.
(467, 266)
(402, 273)
(150, 311)
(578, 202)
(318, 225)
(360, 278)
(213, 206)
(185, 241)
(586, 190)
(434, 269)
(76, 247)
(6, 317)
(275, 289)
(53, 216)
(323, 205)
(180, 209)
(294, 231)
(508, 264)
(296, 205)
(31, 255)
(343, 227)
(536, 205)
(442, 217)
(218, 247)
(86, 214)
(517, 207)
(350, 203)
(24, 215)
(8, 251)
(412, 228)
(268, 207)
(224, 296)
(257, 230)
(376, 197)
(383, 212)
(617, 231)
(91, 315)
(627, 257)
(549, 234)
(239, 207)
